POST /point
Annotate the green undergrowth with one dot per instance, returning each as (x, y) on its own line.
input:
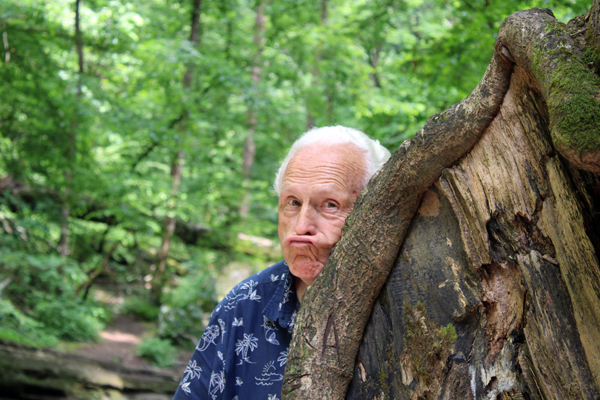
(160, 352)
(17, 327)
(141, 307)
(39, 304)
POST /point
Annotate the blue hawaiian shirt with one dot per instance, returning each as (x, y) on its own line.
(243, 351)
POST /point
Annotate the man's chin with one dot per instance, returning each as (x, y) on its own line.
(306, 270)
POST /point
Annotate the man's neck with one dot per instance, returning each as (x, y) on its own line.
(300, 288)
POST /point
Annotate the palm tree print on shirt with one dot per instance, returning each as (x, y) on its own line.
(250, 342)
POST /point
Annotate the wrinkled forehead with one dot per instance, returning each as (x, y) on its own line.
(342, 162)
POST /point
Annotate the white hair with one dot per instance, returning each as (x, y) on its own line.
(375, 155)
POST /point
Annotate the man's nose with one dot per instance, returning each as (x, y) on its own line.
(307, 219)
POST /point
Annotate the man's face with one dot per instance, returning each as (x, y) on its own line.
(320, 185)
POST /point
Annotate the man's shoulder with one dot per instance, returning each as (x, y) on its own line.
(272, 274)
(256, 288)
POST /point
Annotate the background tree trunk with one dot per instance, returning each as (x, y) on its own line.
(249, 152)
(495, 290)
(170, 221)
(63, 242)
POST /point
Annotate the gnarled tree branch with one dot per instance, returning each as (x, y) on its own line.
(566, 76)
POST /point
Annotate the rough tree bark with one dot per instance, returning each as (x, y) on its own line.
(488, 221)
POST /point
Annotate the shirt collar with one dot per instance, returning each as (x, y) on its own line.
(282, 306)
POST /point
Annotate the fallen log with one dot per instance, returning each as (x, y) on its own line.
(30, 373)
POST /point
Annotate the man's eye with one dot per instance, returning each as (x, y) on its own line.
(294, 202)
(330, 204)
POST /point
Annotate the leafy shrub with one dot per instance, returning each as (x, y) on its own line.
(40, 300)
(17, 327)
(159, 352)
(70, 321)
(141, 307)
(36, 278)
(185, 308)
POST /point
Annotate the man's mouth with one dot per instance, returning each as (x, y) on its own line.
(299, 241)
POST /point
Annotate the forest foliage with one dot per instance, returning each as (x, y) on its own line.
(139, 139)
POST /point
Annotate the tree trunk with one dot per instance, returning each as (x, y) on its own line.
(168, 228)
(490, 228)
(169, 223)
(63, 242)
(312, 99)
(5, 43)
(251, 120)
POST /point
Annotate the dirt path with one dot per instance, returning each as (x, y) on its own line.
(117, 344)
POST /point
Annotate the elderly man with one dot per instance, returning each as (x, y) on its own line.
(243, 352)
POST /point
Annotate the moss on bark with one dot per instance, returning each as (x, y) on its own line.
(572, 89)
(427, 345)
